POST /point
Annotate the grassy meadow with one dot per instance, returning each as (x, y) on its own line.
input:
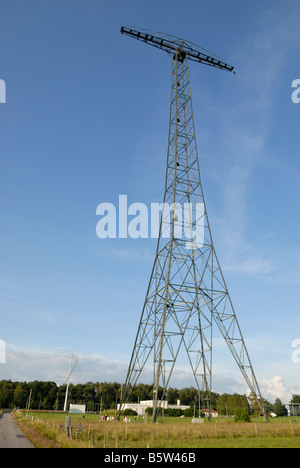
(47, 430)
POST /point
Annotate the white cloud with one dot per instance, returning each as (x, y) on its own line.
(31, 364)
(247, 130)
(254, 266)
(43, 315)
(275, 388)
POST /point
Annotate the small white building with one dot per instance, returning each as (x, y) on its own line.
(205, 413)
(77, 409)
(140, 408)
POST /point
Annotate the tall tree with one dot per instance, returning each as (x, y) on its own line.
(295, 399)
(279, 408)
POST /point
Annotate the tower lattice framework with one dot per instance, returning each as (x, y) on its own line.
(187, 292)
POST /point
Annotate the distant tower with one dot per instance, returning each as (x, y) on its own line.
(187, 291)
(71, 369)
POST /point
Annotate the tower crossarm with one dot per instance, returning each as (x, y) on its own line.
(171, 44)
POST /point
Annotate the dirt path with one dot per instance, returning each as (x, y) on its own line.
(11, 435)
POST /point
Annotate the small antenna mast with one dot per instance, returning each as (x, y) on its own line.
(71, 369)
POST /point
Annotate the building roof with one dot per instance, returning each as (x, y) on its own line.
(206, 410)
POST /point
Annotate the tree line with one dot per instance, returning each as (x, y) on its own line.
(103, 396)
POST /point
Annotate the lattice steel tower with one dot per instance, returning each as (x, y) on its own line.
(187, 291)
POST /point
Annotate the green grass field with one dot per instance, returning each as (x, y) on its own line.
(47, 430)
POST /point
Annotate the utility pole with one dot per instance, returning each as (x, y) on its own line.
(29, 401)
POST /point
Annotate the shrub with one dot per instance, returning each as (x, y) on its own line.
(129, 412)
(242, 415)
(189, 413)
(174, 412)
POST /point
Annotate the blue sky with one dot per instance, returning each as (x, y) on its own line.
(86, 119)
